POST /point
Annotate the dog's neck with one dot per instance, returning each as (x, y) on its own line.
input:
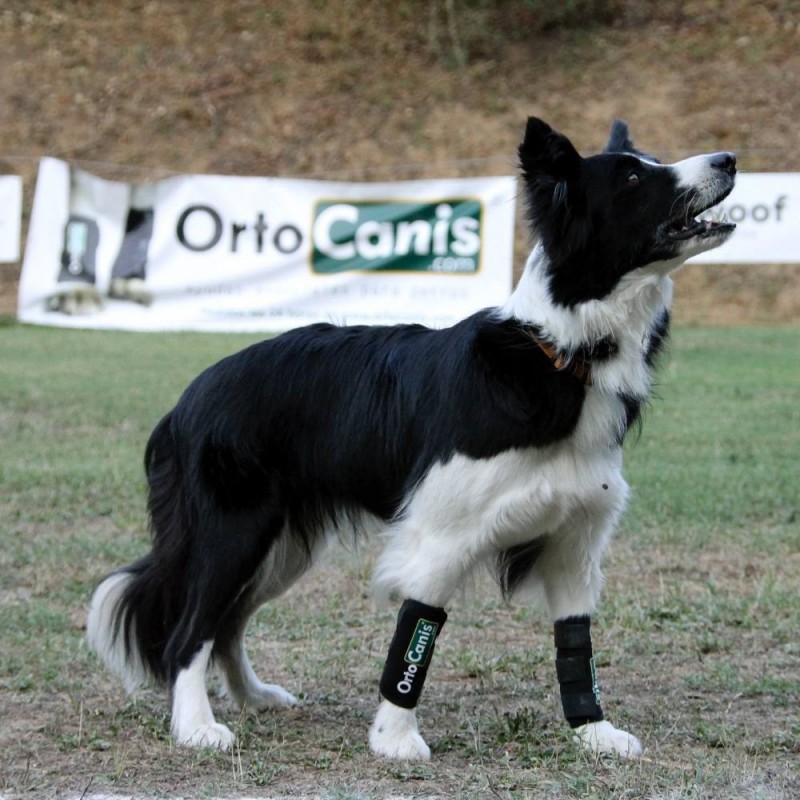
(627, 312)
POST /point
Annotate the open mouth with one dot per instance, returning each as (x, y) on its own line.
(698, 227)
(688, 227)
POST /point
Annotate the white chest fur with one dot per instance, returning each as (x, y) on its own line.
(467, 511)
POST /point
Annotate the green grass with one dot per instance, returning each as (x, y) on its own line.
(719, 449)
(696, 637)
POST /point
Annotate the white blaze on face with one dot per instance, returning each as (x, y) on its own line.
(693, 172)
(701, 179)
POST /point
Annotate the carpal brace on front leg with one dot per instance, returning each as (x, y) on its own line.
(410, 652)
(580, 694)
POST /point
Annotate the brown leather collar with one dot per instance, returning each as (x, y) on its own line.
(576, 366)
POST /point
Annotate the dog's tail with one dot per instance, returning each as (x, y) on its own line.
(135, 609)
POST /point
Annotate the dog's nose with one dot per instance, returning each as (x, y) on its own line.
(725, 162)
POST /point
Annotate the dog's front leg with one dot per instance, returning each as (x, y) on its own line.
(580, 694)
(395, 733)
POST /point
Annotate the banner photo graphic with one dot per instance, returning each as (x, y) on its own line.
(223, 253)
(10, 217)
(766, 209)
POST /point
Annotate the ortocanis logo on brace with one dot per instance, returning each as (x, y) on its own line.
(418, 653)
(419, 650)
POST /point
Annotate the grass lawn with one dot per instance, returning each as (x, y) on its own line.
(697, 641)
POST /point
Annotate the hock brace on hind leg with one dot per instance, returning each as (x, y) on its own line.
(580, 695)
(410, 652)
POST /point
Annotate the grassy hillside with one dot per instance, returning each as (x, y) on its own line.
(394, 90)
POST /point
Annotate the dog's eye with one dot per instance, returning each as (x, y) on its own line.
(632, 179)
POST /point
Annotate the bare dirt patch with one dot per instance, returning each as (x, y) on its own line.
(490, 713)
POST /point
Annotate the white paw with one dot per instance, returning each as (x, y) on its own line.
(213, 735)
(602, 738)
(268, 695)
(395, 734)
(79, 300)
(130, 289)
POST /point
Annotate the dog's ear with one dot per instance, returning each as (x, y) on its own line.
(619, 141)
(547, 154)
(551, 169)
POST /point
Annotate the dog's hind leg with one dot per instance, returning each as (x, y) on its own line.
(243, 685)
(224, 562)
(286, 562)
(193, 721)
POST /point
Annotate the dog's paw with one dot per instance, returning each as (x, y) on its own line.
(133, 289)
(268, 695)
(395, 734)
(75, 301)
(602, 738)
(213, 736)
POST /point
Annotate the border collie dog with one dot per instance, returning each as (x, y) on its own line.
(497, 441)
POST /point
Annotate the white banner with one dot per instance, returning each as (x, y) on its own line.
(10, 217)
(766, 209)
(262, 254)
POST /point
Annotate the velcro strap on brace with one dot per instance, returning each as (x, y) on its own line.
(410, 652)
(581, 707)
(573, 668)
(580, 694)
(573, 633)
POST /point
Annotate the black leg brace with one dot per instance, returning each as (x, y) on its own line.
(410, 652)
(580, 695)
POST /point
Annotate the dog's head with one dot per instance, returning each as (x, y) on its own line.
(599, 218)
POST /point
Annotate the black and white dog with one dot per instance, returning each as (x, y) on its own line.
(496, 441)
